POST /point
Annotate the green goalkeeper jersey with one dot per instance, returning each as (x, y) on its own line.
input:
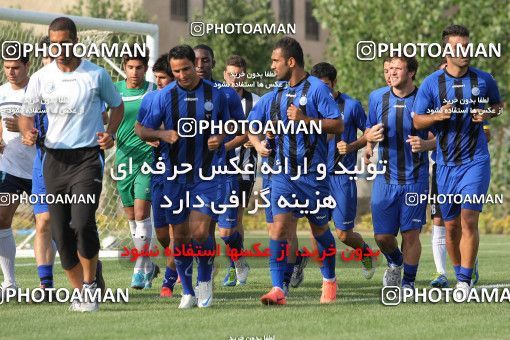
(128, 143)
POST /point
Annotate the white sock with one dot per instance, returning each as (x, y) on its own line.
(439, 248)
(132, 228)
(7, 256)
(143, 238)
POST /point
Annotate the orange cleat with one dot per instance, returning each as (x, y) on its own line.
(328, 292)
(274, 297)
(166, 292)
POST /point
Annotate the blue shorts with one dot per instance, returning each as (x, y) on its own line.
(38, 186)
(157, 192)
(266, 191)
(307, 187)
(228, 187)
(467, 180)
(393, 206)
(177, 193)
(345, 193)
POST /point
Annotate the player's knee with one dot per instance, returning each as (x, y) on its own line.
(342, 235)
(42, 223)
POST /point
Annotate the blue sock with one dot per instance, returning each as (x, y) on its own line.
(170, 278)
(289, 268)
(234, 241)
(409, 273)
(205, 263)
(277, 266)
(184, 265)
(465, 274)
(395, 258)
(456, 269)
(325, 241)
(45, 272)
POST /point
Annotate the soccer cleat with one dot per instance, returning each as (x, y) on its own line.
(392, 276)
(151, 276)
(204, 294)
(275, 297)
(328, 292)
(475, 276)
(298, 274)
(461, 291)
(368, 267)
(88, 293)
(166, 292)
(408, 287)
(188, 301)
(440, 281)
(138, 280)
(230, 279)
(242, 271)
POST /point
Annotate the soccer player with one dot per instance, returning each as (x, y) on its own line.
(131, 153)
(235, 75)
(463, 160)
(406, 173)
(192, 98)
(344, 148)
(228, 221)
(16, 161)
(303, 99)
(164, 76)
(73, 163)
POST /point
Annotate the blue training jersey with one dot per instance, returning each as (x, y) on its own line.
(315, 100)
(173, 104)
(403, 166)
(354, 118)
(459, 140)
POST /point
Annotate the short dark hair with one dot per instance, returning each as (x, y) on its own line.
(387, 59)
(134, 55)
(45, 40)
(15, 51)
(324, 70)
(161, 65)
(64, 24)
(411, 64)
(454, 31)
(204, 47)
(291, 49)
(236, 60)
(182, 52)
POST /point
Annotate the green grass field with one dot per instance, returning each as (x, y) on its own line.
(237, 312)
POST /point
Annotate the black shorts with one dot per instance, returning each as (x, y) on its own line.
(13, 184)
(74, 172)
(245, 189)
(435, 211)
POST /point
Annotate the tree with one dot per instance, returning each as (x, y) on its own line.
(256, 49)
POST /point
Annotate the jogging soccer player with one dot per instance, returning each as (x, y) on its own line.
(344, 148)
(303, 99)
(134, 187)
(73, 162)
(463, 160)
(228, 221)
(15, 163)
(235, 75)
(406, 173)
(163, 76)
(189, 97)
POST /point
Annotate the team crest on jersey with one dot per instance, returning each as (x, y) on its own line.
(303, 101)
(50, 87)
(475, 91)
(208, 106)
